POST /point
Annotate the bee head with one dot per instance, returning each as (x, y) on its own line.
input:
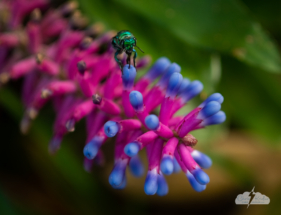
(129, 44)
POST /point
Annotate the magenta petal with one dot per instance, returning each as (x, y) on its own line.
(170, 147)
(155, 157)
(23, 67)
(187, 159)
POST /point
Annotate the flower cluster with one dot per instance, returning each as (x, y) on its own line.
(63, 60)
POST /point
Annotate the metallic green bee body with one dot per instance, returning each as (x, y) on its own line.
(124, 41)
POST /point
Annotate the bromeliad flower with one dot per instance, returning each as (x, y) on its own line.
(64, 61)
(166, 138)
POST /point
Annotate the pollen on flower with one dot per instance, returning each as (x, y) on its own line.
(73, 66)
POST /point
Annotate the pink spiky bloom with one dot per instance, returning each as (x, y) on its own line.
(71, 68)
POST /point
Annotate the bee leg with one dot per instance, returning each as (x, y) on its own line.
(117, 60)
(129, 60)
(135, 56)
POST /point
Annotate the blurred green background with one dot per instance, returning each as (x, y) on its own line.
(233, 47)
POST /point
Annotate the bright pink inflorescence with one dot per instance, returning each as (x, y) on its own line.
(64, 61)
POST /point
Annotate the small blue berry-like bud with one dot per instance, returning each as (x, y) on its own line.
(184, 84)
(169, 71)
(122, 185)
(152, 122)
(162, 189)
(136, 166)
(158, 68)
(193, 89)
(194, 184)
(128, 76)
(174, 85)
(201, 159)
(132, 149)
(200, 176)
(117, 175)
(217, 118)
(209, 109)
(177, 167)
(214, 97)
(167, 165)
(150, 184)
(111, 128)
(136, 100)
(90, 150)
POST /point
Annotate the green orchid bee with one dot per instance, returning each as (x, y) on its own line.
(125, 41)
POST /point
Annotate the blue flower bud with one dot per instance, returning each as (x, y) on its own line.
(204, 161)
(174, 85)
(169, 71)
(214, 97)
(158, 68)
(132, 149)
(184, 84)
(217, 118)
(167, 165)
(90, 150)
(193, 89)
(128, 76)
(117, 175)
(209, 109)
(194, 184)
(152, 122)
(150, 184)
(136, 166)
(122, 185)
(162, 189)
(200, 176)
(136, 100)
(177, 167)
(111, 128)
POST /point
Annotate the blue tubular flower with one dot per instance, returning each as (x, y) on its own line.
(118, 173)
(136, 100)
(200, 176)
(111, 128)
(194, 184)
(158, 68)
(174, 85)
(204, 161)
(91, 149)
(193, 89)
(128, 76)
(162, 189)
(132, 149)
(170, 70)
(122, 185)
(214, 97)
(136, 166)
(167, 165)
(184, 84)
(217, 118)
(151, 183)
(177, 167)
(152, 122)
(209, 109)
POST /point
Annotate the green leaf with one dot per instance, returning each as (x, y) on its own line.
(251, 99)
(220, 25)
